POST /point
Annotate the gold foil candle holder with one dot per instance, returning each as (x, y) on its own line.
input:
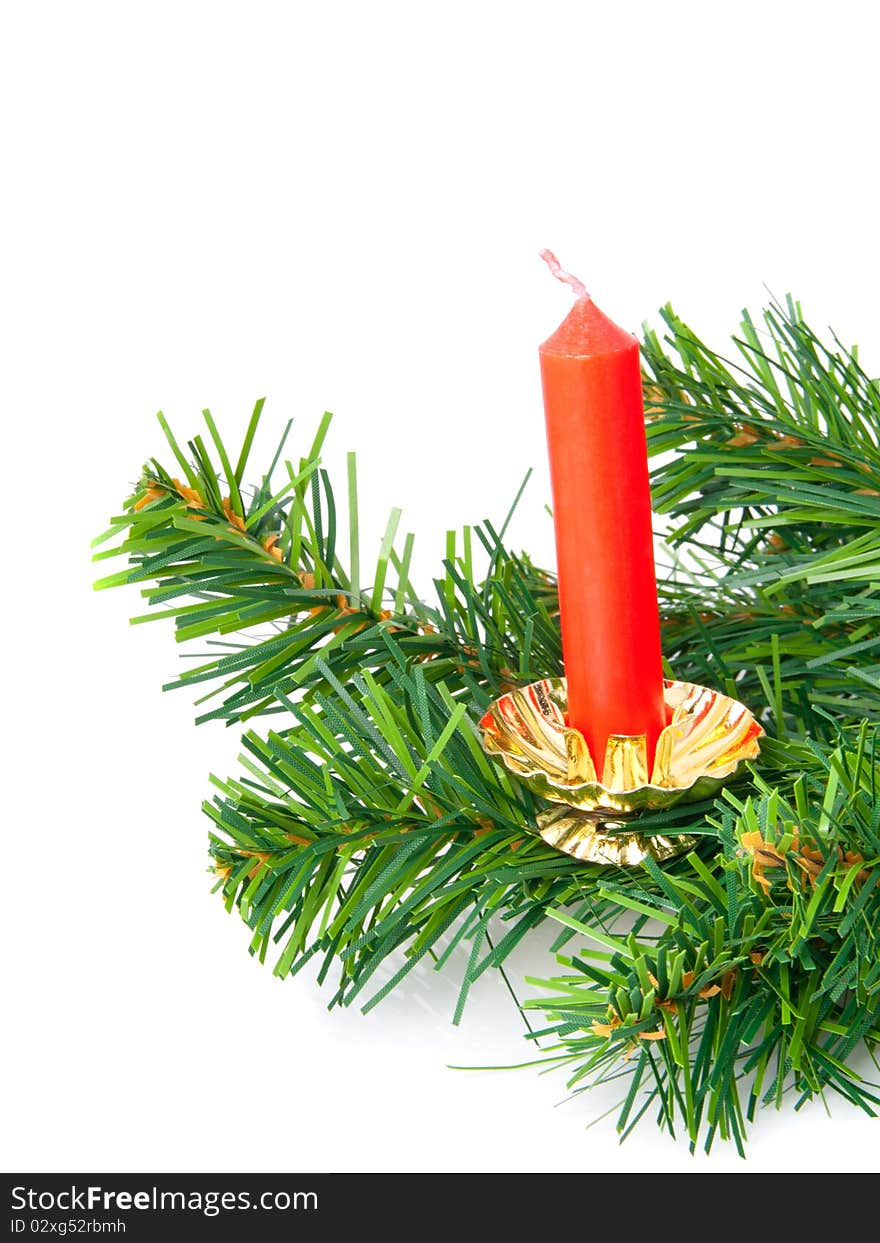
(707, 738)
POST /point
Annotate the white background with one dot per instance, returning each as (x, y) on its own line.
(339, 206)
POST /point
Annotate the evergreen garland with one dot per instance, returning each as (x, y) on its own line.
(368, 831)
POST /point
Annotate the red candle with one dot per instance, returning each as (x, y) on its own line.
(602, 514)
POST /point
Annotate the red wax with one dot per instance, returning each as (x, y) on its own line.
(602, 514)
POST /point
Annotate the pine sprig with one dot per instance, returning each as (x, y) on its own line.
(773, 492)
(369, 834)
(749, 981)
(373, 823)
(277, 568)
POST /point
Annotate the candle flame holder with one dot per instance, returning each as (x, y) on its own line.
(707, 738)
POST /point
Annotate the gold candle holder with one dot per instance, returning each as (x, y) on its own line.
(707, 738)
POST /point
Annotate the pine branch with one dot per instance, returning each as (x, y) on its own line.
(774, 496)
(370, 832)
(270, 584)
(763, 974)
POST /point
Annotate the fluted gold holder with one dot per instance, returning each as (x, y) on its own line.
(707, 738)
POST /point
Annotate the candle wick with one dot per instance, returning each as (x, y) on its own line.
(561, 275)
